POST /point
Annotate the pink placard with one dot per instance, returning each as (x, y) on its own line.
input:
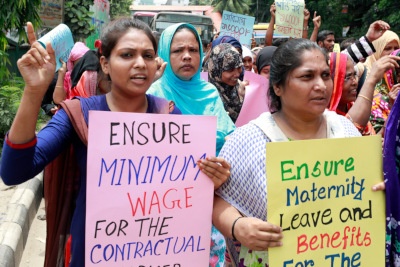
(147, 202)
(256, 99)
(204, 75)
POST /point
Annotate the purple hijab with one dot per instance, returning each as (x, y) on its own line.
(226, 39)
(391, 172)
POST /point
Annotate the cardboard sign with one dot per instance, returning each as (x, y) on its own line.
(148, 204)
(336, 48)
(238, 26)
(62, 42)
(289, 17)
(256, 100)
(319, 192)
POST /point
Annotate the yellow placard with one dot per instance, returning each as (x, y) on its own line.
(198, 29)
(289, 17)
(336, 48)
(320, 193)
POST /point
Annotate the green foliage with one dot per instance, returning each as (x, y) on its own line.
(14, 15)
(10, 95)
(359, 16)
(4, 73)
(10, 99)
(260, 10)
(119, 8)
(78, 18)
(239, 7)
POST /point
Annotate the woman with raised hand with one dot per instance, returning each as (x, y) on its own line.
(129, 52)
(381, 104)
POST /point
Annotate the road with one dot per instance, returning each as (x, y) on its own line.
(33, 255)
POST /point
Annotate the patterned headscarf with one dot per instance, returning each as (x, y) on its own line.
(225, 57)
(228, 40)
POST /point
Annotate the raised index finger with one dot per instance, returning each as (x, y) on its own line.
(30, 33)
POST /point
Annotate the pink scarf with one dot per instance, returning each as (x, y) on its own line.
(77, 52)
(389, 77)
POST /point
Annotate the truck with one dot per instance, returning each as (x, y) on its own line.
(202, 23)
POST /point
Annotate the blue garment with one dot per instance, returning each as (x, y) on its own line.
(51, 141)
(226, 39)
(196, 96)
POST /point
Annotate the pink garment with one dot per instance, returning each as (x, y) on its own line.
(389, 77)
(76, 53)
(86, 86)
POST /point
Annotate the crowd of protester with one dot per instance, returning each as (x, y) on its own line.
(358, 89)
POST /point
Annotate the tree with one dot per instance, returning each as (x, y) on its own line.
(239, 7)
(260, 10)
(120, 8)
(13, 16)
(78, 18)
(358, 17)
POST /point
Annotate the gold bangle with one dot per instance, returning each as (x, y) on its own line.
(366, 98)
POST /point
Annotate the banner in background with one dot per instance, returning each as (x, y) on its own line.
(289, 17)
(238, 26)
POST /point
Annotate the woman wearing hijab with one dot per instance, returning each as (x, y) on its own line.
(180, 46)
(247, 56)
(228, 40)
(263, 61)
(224, 40)
(384, 46)
(224, 69)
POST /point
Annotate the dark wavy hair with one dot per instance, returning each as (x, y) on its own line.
(285, 59)
(117, 28)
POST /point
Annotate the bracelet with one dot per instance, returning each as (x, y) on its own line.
(58, 86)
(233, 228)
(305, 28)
(366, 98)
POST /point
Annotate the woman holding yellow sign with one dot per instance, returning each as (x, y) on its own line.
(300, 90)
